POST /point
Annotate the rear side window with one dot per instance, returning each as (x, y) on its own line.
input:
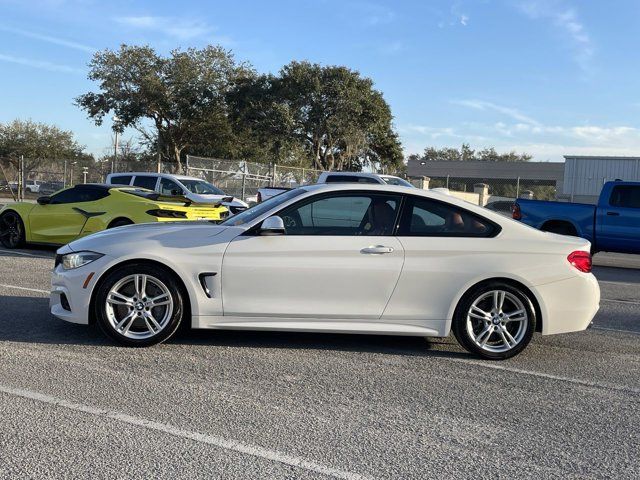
(121, 180)
(168, 187)
(349, 179)
(626, 196)
(144, 181)
(424, 217)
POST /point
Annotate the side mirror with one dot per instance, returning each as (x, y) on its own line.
(272, 226)
(44, 200)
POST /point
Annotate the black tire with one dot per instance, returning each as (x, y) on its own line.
(496, 346)
(11, 230)
(107, 314)
(120, 222)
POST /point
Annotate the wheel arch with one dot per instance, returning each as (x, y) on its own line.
(561, 222)
(145, 261)
(517, 283)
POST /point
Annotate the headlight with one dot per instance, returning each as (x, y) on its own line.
(78, 259)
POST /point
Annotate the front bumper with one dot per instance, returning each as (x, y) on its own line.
(73, 286)
(568, 305)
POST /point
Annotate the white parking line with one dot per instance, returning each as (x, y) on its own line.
(219, 442)
(575, 381)
(37, 290)
(629, 302)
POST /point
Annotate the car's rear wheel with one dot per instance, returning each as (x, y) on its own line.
(495, 320)
(140, 305)
(11, 230)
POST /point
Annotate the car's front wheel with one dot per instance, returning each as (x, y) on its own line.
(11, 230)
(495, 320)
(140, 304)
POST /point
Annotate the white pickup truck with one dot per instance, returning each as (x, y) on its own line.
(340, 177)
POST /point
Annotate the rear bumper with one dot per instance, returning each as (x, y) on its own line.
(568, 305)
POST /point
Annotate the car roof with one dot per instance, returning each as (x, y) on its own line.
(352, 174)
(156, 174)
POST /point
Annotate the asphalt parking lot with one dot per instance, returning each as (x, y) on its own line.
(275, 405)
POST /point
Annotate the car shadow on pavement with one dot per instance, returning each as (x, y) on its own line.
(27, 320)
(381, 344)
(34, 251)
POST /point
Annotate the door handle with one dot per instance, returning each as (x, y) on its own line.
(613, 214)
(376, 250)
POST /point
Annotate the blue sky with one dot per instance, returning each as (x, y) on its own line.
(548, 77)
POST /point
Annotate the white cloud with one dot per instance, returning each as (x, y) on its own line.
(566, 20)
(42, 65)
(464, 20)
(49, 39)
(179, 28)
(508, 111)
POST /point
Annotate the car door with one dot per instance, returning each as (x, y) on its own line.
(443, 245)
(337, 259)
(618, 225)
(61, 220)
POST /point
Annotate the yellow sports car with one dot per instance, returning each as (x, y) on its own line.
(88, 208)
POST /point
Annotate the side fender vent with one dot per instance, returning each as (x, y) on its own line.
(206, 282)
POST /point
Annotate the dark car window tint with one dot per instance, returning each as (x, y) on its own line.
(144, 181)
(349, 179)
(626, 196)
(350, 214)
(425, 217)
(167, 187)
(79, 194)
(121, 180)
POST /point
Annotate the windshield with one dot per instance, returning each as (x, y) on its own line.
(397, 181)
(254, 212)
(201, 187)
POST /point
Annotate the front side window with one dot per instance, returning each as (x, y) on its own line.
(343, 214)
(424, 217)
(145, 181)
(78, 194)
(625, 196)
(121, 180)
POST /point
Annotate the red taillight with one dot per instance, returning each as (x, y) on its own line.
(515, 212)
(581, 260)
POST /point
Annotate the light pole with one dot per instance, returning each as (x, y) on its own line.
(71, 179)
(114, 164)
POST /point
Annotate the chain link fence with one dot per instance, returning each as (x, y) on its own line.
(507, 189)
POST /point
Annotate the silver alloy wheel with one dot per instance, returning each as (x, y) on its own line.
(497, 321)
(139, 306)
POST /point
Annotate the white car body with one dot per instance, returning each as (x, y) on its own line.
(235, 206)
(320, 283)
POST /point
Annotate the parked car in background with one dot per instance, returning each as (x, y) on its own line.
(613, 225)
(334, 258)
(503, 207)
(32, 186)
(48, 188)
(195, 189)
(87, 208)
(341, 177)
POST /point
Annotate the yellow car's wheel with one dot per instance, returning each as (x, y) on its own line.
(11, 230)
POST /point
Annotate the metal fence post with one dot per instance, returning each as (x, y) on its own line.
(447, 181)
(518, 188)
(273, 174)
(244, 180)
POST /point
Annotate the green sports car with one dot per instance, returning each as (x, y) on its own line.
(88, 208)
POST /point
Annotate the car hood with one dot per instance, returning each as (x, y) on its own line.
(129, 239)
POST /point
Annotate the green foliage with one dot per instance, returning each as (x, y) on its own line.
(466, 153)
(331, 115)
(183, 96)
(39, 143)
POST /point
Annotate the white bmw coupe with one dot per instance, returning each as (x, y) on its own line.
(334, 258)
